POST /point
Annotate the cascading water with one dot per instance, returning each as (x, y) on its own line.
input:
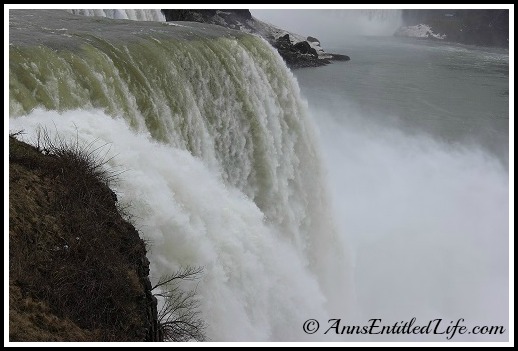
(136, 15)
(370, 21)
(222, 168)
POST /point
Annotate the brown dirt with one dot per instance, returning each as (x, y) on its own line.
(77, 270)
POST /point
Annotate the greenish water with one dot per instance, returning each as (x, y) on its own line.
(457, 93)
(220, 160)
(415, 137)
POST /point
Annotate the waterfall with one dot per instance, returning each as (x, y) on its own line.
(222, 165)
(339, 23)
(368, 22)
(136, 15)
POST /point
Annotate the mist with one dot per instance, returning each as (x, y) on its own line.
(332, 25)
(426, 224)
(421, 201)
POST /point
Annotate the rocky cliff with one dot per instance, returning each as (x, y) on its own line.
(77, 270)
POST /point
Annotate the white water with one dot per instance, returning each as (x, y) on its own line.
(136, 15)
(414, 134)
(427, 224)
(419, 31)
(236, 183)
(256, 285)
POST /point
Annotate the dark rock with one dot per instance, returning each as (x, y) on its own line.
(297, 55)
(338, 57)
(285, 38)
(233, 19)
(304, 48)
(313, 40)
(204, 16)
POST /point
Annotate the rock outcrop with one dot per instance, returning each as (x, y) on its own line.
(77, 270)
(297, 55)
(296, 51)
(313, 40)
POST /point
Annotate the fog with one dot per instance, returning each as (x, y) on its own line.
(331, 25)
(423, 243)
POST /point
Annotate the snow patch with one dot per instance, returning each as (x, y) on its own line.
(270, 31)
(419, 31)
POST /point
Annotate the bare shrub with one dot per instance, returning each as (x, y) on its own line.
(179, 317)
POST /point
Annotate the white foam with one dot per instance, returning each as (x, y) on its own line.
(427, 222)
(256, 285)
(136, 15)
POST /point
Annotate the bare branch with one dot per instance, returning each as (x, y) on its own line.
(187, 273)
(179, 315)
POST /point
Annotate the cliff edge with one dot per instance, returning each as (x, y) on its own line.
(77, 270)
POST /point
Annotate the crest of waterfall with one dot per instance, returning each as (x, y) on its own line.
(136, 15)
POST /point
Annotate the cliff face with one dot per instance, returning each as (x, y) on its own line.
(77, 270)
(475, 27)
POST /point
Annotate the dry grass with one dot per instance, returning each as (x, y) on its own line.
(72, 257)
(32, 320)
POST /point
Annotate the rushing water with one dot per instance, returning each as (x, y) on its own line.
(135, 15)
(224, 167)
(416, 139)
